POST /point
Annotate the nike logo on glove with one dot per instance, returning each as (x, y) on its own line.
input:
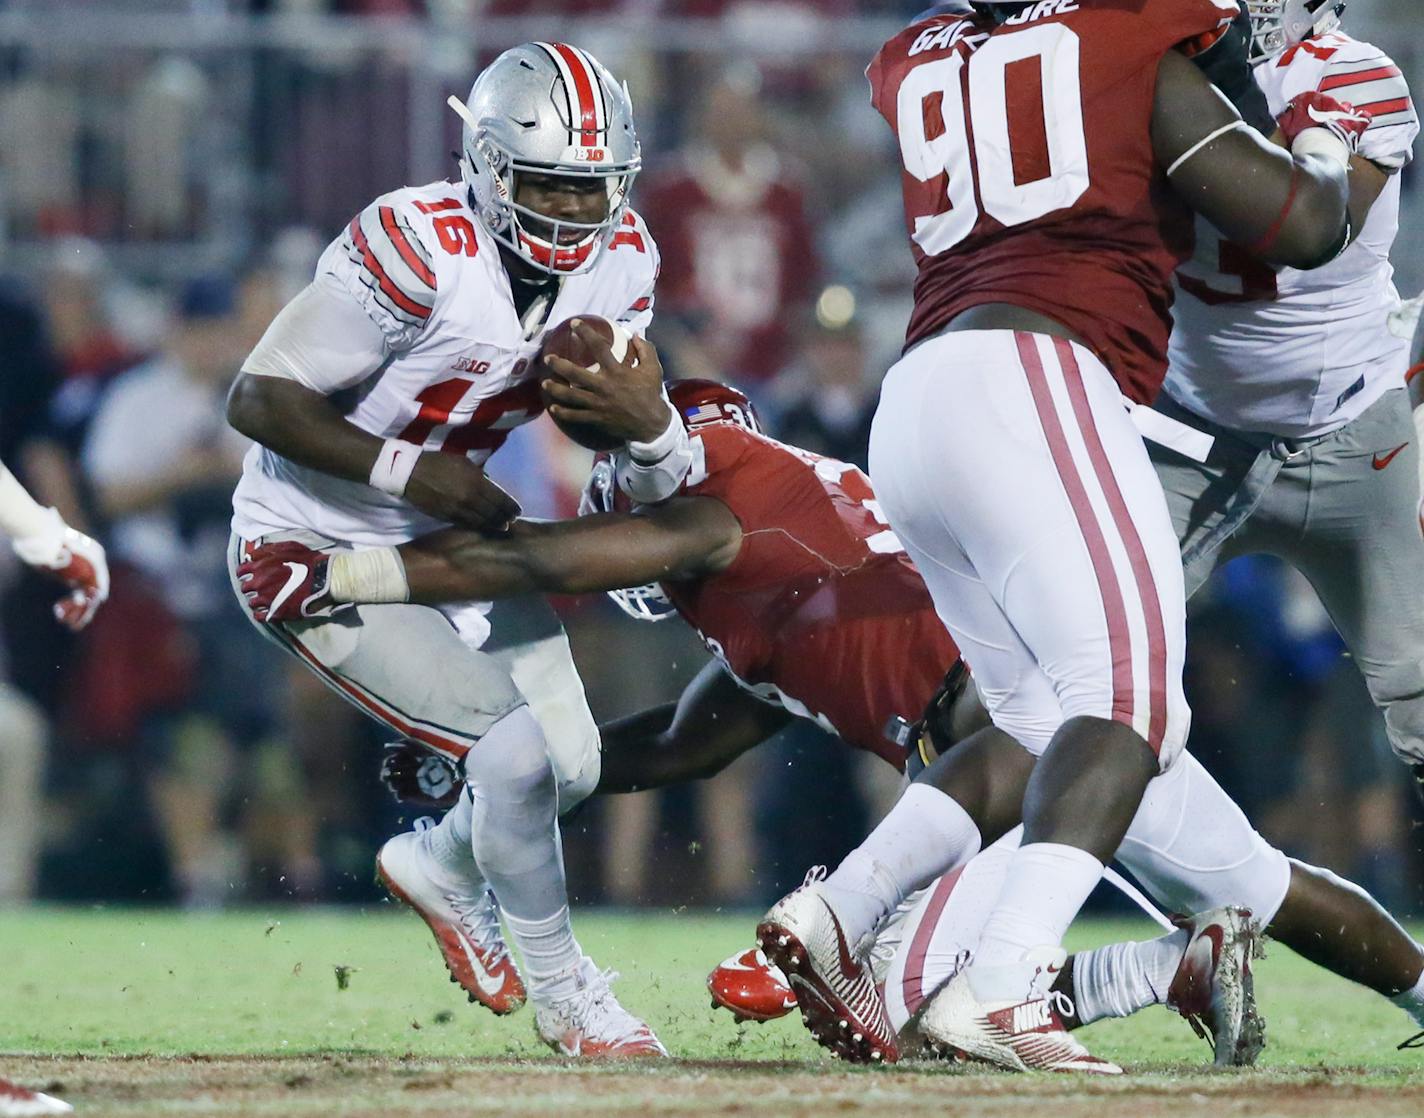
(1383, 460)
(294, 580)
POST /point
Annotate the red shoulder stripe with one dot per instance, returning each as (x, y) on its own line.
(394, 293)
(403, 246)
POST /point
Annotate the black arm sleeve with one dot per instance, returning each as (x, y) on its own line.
(1225, 64)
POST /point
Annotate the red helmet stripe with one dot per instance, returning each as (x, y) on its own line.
(584, 81)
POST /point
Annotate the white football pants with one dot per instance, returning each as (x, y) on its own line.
(1011, 471)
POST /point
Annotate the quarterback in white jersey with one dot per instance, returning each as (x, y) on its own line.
(1295, 383)
(1296, 353)
(375, 398)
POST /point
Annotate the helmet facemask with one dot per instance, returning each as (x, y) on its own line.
(1278, 25)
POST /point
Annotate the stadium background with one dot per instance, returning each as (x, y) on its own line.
(169, 170)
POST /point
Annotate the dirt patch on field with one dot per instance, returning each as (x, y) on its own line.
(356, 1085)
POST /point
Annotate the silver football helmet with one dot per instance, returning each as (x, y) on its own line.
(641, 603)
(550, 109)
(1278, 25)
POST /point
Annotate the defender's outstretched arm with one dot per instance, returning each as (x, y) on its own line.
(677, 540)
(714, 722)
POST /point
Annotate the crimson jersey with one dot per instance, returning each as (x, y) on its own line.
(1028, 171)
(821, 611)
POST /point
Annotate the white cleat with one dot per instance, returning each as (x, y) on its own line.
(589, 1023)
(465, 925)
(1021, 1034)
(833, 980)
(1214, 989)
(20, 1102)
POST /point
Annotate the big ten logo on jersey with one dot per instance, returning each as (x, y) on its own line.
(469, 365)
(989, 146)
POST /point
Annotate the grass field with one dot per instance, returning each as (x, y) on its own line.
(159, 1013)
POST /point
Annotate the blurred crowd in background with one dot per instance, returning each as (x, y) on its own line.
(169, 171)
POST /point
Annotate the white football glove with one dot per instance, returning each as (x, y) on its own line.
(75, 560)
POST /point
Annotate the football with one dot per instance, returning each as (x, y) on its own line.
(561, 341)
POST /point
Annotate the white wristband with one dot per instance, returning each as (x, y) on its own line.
(645, 454)
(374, 575)
(393, 467)
(1322, 142)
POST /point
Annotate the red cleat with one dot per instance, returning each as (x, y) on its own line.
(835, 989)
(751, 987)
(466, 926)
(20, 1102)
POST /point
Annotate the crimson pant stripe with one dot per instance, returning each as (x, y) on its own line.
(583, 81)
(376, 707)
(1119, 635)
(1131, 542)
(912, 985)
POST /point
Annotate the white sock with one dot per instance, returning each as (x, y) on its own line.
(450, 843)
(1046, 885)
(552, 957)
(924, 835)
(1120, 979)
(1412, 1002)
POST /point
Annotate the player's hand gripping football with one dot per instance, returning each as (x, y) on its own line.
(1319, 110)
(450, 487)
(623, 398)
(78, 562)
(420, 777)
(285, 582)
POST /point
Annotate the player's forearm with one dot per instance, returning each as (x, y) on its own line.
(654, 749)
(301, 425)
(21, 516)
(456, 566)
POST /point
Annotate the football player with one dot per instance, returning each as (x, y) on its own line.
(1295, 380)
(375, 398)
(1052, 154)
(781, 561)
(41, 538)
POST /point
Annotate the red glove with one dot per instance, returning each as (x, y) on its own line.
(419, 776)
(285, 582)
(75, 560)
(1319, 110)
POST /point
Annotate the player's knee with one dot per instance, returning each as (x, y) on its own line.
(510, 763)
(1193, 849)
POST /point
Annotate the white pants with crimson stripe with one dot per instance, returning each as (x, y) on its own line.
(1010, 470)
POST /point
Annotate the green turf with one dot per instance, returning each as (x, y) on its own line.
(138, 1014)
(115, 982)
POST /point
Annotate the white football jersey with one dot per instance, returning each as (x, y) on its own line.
(1297, 353)
(461, 374)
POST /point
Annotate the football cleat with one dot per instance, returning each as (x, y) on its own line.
(465, 925)
(589, 1024)
(1213, 987)
(20, 1102)
(832, 979)
(1021, 1034)
(751, 988)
